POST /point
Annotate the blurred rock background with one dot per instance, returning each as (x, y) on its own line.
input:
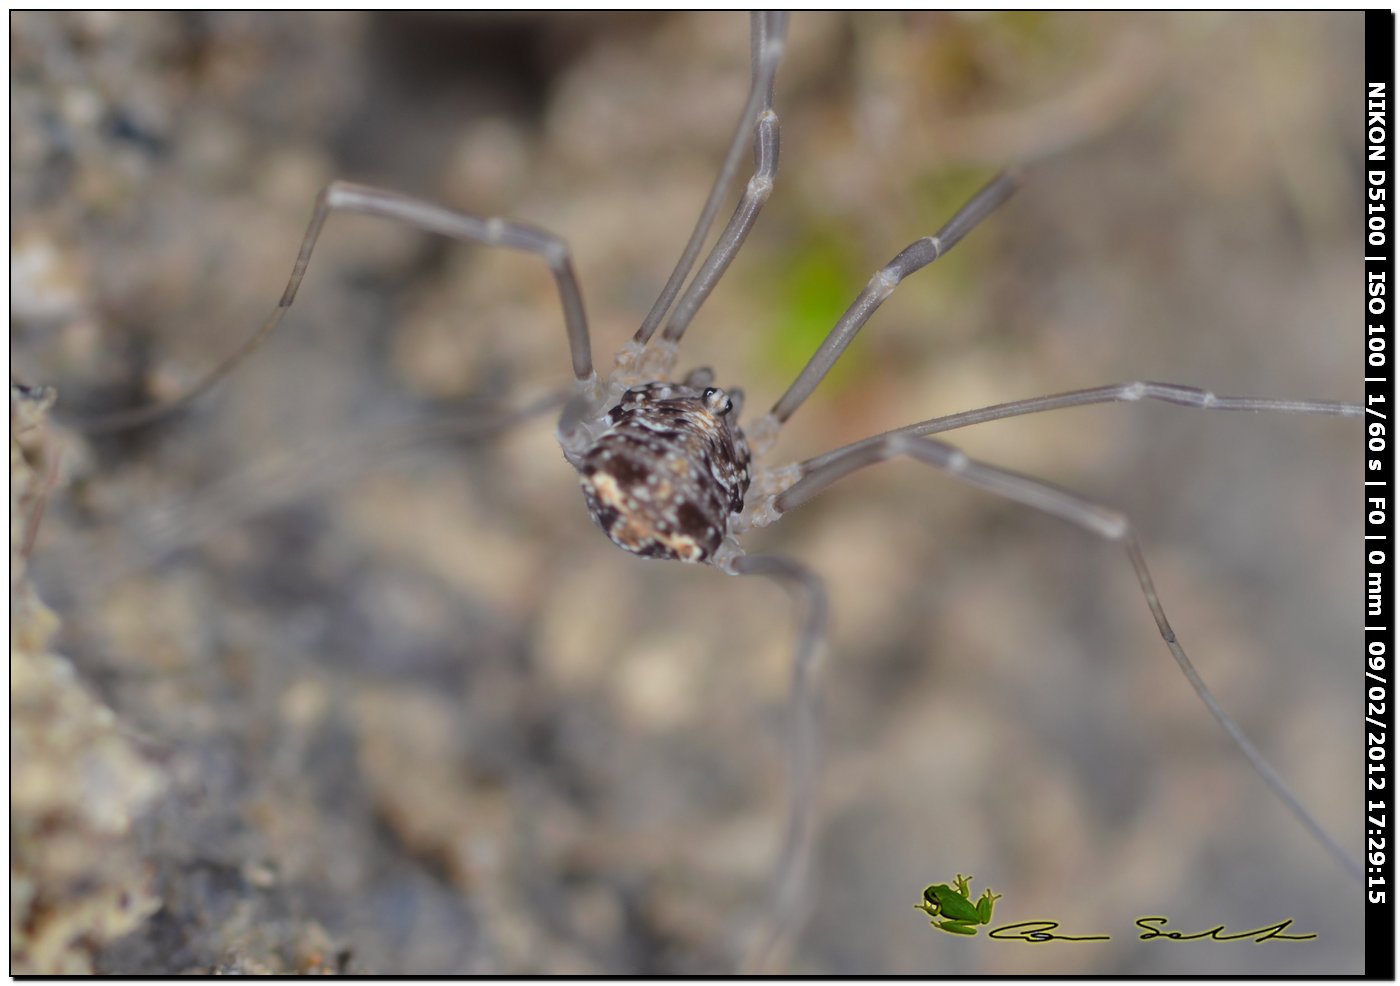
(411, 713)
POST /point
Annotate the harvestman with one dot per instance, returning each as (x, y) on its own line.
(668, 472)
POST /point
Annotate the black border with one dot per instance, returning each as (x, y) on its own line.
(1378, 542)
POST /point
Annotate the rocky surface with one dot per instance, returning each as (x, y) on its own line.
(363, 696)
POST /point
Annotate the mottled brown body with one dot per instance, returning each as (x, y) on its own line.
(670, 472)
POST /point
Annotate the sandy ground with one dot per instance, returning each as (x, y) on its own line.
(412, 713)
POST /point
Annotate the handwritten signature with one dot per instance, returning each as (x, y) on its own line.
(1039, 932)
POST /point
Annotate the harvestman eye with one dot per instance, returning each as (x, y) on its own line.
(717, 401)
(669, 472)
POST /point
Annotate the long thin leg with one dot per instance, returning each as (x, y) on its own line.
(756, 194)
(804, 736)
(344, 196)
(1137, 390)
(768, 36)
(157, 533)
(914, 257)
(1105, 523)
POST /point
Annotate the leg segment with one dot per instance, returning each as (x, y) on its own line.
(154, 534)
(1168, 393)
(817, 474)
(745, 215)
(791, 872)
(344, 196)
(916, 256)
(768, 36)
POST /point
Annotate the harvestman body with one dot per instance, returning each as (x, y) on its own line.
(668, 472)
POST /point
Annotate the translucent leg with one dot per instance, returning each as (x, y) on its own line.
(914, 257)
(155, 534)
(347, 197)
(817, 474)
(804, 739)
(1168, 393)
(768, 35)
(745, 215)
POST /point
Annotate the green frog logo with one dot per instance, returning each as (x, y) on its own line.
(954, 906)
